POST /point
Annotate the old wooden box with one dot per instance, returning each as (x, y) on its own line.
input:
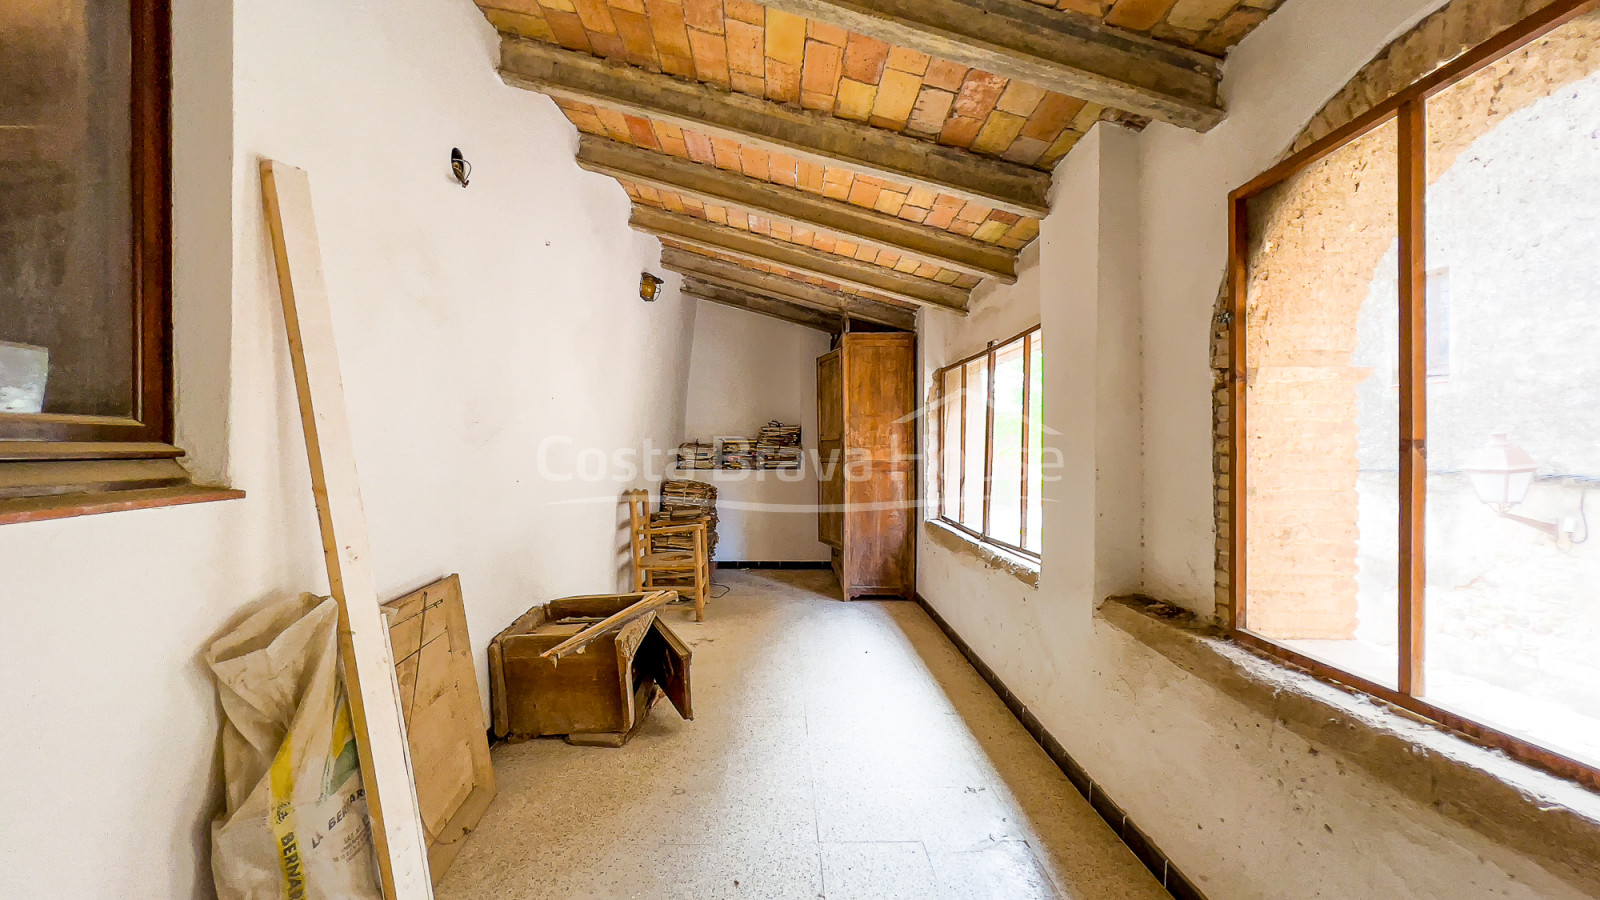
(597, 691)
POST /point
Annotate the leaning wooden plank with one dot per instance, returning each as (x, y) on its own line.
(792, 206)
(363, 632)
(444, 715)
(650, 602)
(731, 274)
(810, 135)
(759, 248)
(1073, 53)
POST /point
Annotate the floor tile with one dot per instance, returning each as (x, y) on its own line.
(840, 751)
(945, 818)
(1002, 871)
(877, 871)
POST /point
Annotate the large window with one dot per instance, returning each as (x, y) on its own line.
(84, 243)
(989, 468)
(1415, 386)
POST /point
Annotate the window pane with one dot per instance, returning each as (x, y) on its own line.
(1321, 452)
(1513, 585)
(950, 446)
(977, 425)
(1036, 444)
(1005, 493)
(66, 296)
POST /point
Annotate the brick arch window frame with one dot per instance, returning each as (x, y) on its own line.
(1436, 55)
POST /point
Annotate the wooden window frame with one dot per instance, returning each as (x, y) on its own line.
(148, 432)
(1409, 109)
(56, 466)
(945, 404)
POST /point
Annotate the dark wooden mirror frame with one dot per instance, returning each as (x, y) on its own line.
(27, 436)
(1409, 108)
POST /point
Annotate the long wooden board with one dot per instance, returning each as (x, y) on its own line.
(444, 715)
(363, 631)
(650, 601)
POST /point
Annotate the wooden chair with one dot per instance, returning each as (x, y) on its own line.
(655, 566)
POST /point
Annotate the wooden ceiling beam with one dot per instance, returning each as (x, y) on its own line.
(758, 248)
(806, 134)
(766, 306)
(1072, 53)
(795, 207)
(732, 275)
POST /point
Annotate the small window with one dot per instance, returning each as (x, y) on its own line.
(989, 473)
(85, 343)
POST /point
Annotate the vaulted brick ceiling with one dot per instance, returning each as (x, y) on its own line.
(759, 51)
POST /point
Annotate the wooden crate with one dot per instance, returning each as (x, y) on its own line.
(598, 692)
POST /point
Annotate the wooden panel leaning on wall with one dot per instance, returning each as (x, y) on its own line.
(364, 650)
(444, 716)
(869, 496)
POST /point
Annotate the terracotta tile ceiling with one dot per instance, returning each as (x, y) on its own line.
(817, 240)
(1210, 26)
(742, 46)
(773, 269)
(919, 205)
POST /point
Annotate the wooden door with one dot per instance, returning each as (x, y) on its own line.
(830, 449)
(880, 464)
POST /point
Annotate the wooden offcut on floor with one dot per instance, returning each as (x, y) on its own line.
(839, 751)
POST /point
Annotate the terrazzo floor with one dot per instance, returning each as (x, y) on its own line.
(840, 751)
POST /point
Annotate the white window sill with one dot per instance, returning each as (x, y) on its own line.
(957, 541)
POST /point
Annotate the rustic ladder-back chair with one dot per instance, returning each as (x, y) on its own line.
(656, 566)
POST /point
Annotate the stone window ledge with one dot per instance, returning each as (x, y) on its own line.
(962, 544)
(1547, 819)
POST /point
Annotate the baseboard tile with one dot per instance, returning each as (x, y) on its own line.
(1176, 883)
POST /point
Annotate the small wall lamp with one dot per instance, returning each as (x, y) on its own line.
(1501, 475)
(649, 287)
(459, 167)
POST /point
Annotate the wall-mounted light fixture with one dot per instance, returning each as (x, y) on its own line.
(1502, 474)
(649, 287)
(459, 167)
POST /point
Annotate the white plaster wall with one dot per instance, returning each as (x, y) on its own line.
(472, 325)
(1275, 82)
(1243, 806)
(747, 370)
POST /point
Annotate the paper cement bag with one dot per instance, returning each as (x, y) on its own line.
(295, 826)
